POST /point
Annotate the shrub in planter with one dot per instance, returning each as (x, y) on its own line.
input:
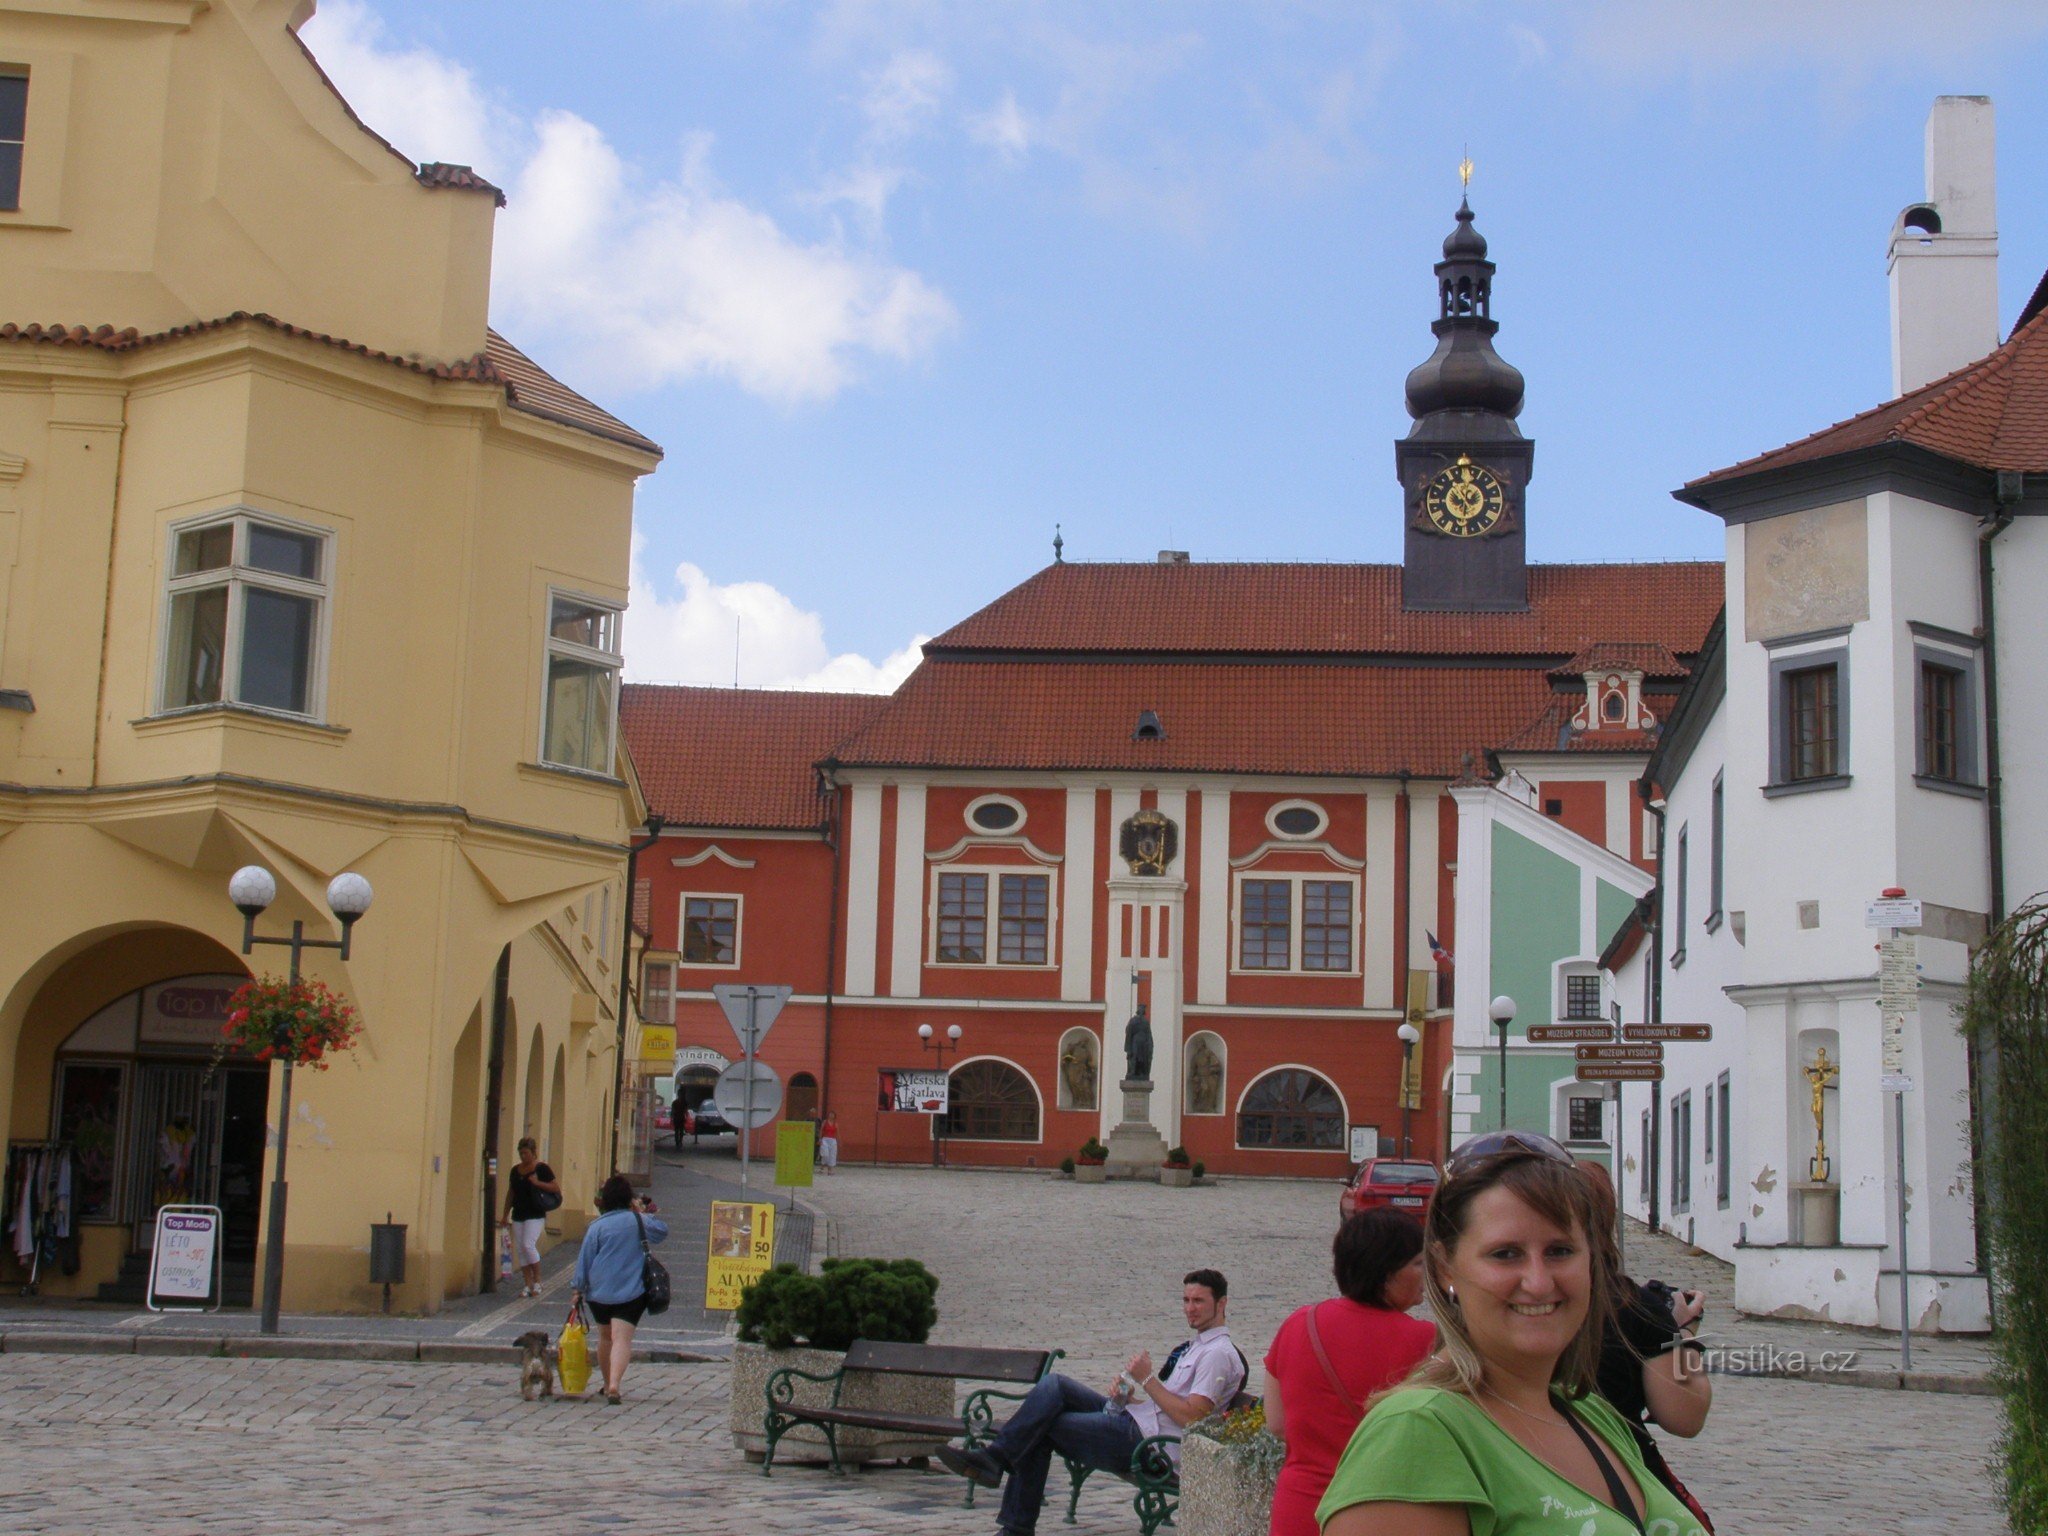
(1092, 1151)
(1067, 1166)
(1228, 1467)
(887, 1300)
(1177, 1158)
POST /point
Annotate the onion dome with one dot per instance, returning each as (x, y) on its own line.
(1465, 373)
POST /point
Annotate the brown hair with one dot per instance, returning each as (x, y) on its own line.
(1556, 1192)
(1370, 1248)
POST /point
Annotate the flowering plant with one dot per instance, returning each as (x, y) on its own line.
(1093, 1153)
(301, 1021)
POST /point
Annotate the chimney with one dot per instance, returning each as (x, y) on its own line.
(1173, 557)
(1943, 257)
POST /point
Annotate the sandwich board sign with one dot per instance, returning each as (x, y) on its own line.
(185, 1260)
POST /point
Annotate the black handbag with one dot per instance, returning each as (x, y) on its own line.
(547, 1200)
(654, 1284)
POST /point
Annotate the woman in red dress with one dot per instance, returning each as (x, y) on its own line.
(1329, 1358)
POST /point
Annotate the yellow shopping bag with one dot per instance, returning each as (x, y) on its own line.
(572, 1353)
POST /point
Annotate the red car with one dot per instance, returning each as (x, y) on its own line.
(1404, 1183)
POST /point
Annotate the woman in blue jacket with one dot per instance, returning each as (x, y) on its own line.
(609, 1271)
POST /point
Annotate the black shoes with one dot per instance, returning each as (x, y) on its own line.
(978, 1466)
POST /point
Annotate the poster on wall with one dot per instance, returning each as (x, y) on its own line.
(742, 1250)
(1365, 1142)
(914, 1090)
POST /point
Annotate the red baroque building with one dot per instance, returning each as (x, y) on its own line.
(1279, 737)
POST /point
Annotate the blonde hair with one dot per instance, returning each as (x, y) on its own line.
(1554, 1191)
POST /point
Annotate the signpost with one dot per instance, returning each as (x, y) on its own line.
(751, 1010)
(185, 1259)
(1557, 1034)
(1621, 1072)
(1618, 1052)
(742, 1250)
(1667, 1031)
(748, 1094)
(1898, 994)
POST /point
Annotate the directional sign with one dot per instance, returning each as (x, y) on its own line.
(732, 1098)
(1667, 1031)
(1621, 1072)
(1619, 1052)
(1554, 1033)
(1892, 912)
(744, 1001)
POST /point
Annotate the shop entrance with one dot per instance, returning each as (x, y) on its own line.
(198, 1139)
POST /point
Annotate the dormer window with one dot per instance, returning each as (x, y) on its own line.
(1613, 708)
(1148, 728)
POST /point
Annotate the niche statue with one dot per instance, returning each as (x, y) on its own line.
(1138, 1046)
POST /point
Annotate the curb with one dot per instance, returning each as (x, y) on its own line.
(1893, 1381)
(270, 1347)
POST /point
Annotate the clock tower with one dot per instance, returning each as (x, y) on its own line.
(1464, 465)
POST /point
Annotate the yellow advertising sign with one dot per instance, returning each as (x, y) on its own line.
(1411, 1060)
(796, 1147)
(742, 1250)
(658, 1045)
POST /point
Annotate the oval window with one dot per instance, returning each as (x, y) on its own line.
(1297, 818)
(995, 813)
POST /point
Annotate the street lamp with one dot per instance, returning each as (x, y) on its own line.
(1502, 1011)
(938, 1047)
(1409, 1035)
(252, 889)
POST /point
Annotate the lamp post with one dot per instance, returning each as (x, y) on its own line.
(938, 1046)
(1409, 1035)
(252, 889)
(1502, 1011)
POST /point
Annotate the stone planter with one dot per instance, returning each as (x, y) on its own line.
(1225, 1490)
(1176, 1178)
(1090, 1173)
(753, 1363)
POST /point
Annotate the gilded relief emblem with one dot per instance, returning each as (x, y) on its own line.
(1148, 843)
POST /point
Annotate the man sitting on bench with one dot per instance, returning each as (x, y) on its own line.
(1060, 1414)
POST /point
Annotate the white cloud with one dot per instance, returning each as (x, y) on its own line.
(637, 280)
(905, 93)
(686, 631)
(1003, 128)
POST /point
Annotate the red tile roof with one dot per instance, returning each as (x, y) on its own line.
(1552, 730)
(736, 757)
(1645, 656)
(1219, 716)
(1349, 610)
(1992, 414)
(529, 388)
(459, 178)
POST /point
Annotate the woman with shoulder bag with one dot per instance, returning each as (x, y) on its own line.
(535, 1191)
(613, 1274)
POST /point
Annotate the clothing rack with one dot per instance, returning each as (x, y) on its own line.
(40, 1190)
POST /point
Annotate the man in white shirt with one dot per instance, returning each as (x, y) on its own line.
(1201, 1375)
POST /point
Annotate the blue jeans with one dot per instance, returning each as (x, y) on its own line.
(1061, 1415)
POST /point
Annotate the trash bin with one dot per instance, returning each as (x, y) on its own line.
(387, 1255)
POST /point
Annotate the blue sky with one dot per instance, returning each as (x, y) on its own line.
(901, 285)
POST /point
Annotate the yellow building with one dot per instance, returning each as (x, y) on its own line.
(303, 566)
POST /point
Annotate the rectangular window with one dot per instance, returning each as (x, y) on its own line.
(1265, 931)
(1678, 903)
(1812, 726)
(247, 605)
(1941, 690)
(1020, 935)
(1643, 1163)
(1582, 995)
(963, 920)
(580, 702)
(711, 930)
(13, 135)
(1681, 1152)
(1723, 1174)
(1326, 925)
(1715, 833)
(1707, 1127)
(1583, 1119)
(658, 992)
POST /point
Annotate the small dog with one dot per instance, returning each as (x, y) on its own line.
(536, 1366)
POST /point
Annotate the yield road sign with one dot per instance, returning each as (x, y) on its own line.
(744, 1002)
(1619, 1053)
(1541, 1034)
(1621, 1071)
(1667, 1031)
(732, 1098)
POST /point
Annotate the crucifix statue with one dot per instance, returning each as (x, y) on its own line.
(1822, 1074)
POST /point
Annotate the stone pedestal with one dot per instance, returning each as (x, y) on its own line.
(1820, 1214)
(1136, 1149)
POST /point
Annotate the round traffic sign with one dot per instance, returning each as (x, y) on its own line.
(731, 1095)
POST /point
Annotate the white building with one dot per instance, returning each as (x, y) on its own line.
(1870, 722)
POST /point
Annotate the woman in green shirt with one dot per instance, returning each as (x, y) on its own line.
(1499, 1433)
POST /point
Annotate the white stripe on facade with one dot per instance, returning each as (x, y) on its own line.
(1382, 987)
(1212, 975)
(863, 886)
(1077, 900)
(906, 921)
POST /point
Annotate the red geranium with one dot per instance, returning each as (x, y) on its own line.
(274, 1019)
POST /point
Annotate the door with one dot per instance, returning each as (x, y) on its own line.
(174, 1156)
(244, 1126)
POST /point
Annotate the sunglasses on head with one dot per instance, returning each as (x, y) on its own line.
(1503, 1144)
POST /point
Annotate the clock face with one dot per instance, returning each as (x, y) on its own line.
(1464, 499)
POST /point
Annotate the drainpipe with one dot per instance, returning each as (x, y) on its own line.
(1655, 1149)
(501, 993)
(1983, 1065)
(1405, 896)
(654, 826)
(829, 786)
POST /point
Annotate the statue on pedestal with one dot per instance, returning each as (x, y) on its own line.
(1138, 1046)
(1821, 1073)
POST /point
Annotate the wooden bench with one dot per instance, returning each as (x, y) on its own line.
(973, 1421)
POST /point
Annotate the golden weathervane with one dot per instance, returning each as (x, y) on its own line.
(1465, 171)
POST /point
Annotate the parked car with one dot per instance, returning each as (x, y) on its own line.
(705, 1120)
(661, 1120)
(1404, 1183)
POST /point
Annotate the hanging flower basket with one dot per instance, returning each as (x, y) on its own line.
(273, 1019)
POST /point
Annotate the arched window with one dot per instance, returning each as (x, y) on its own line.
(1291, 1107)
(803, 1097)
(991, 1101)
